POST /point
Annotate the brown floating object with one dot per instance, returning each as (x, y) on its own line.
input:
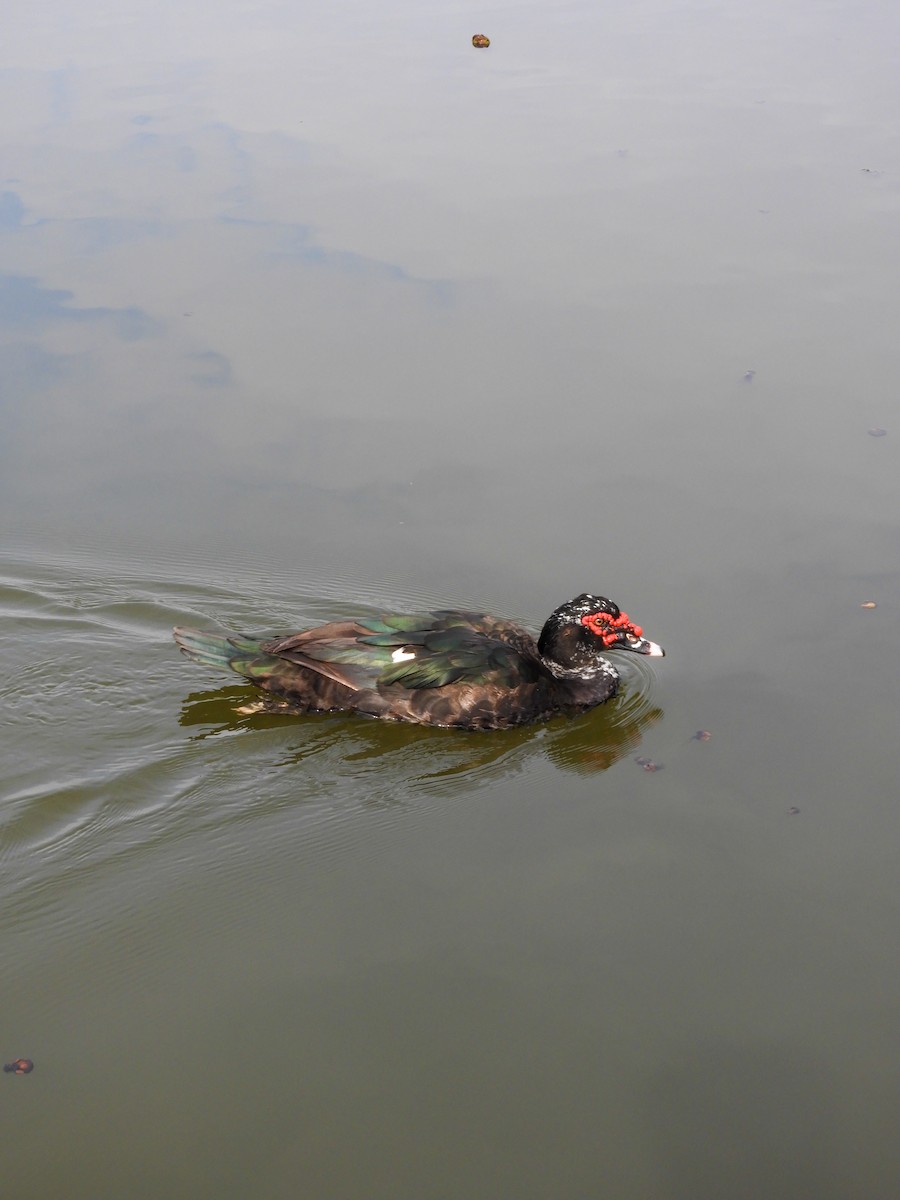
(481, 41)
(869, 604)
(20, 1066)
(647, 764)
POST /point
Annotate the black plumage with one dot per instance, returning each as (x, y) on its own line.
(463, 669)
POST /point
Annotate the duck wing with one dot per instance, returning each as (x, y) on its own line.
(416, 650)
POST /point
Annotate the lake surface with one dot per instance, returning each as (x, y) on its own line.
(306, 311)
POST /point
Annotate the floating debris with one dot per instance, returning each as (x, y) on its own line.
(647, 764)
(480, 41)
(19, 1066)
(877, 432)
(749, 376)
(868, 604)
(793, 810)
(702, 735)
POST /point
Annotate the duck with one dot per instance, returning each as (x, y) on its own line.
(448, 668)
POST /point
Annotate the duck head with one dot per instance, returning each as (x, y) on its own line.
(576, 635)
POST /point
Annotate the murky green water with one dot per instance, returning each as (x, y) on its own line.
(307, 311)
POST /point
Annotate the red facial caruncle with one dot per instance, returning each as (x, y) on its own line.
(610, 629)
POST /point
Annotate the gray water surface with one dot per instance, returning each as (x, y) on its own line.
(307, 311)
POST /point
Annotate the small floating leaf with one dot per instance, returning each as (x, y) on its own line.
(480, 41)
(869, 604)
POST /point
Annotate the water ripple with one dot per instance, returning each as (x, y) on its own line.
(109, 762)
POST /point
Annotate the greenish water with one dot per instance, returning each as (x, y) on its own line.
(308, 312)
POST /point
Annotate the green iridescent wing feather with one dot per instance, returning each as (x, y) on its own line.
(456, 647)
(442, 648)
(458, 659)
(446, 647)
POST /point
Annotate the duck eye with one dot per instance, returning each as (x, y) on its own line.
(598, 623)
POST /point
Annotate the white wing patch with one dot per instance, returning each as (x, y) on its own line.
(402, 655)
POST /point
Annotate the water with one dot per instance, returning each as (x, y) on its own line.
(309, 311)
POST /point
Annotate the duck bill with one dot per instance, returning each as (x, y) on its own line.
(644, 646)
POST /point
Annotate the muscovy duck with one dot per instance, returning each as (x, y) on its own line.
(462, 669)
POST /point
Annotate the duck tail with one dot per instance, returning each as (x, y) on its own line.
(224, 651)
